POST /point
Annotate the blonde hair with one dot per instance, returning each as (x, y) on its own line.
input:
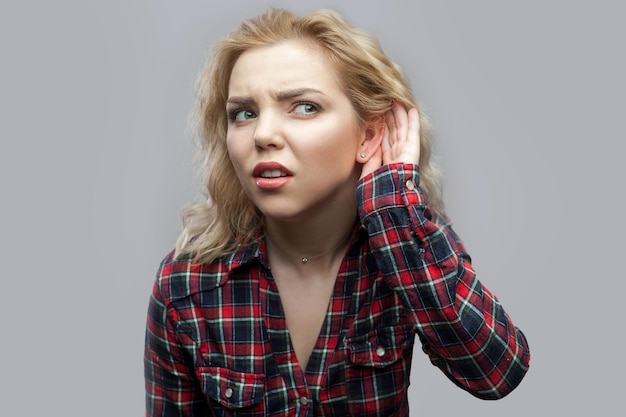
(369, 79)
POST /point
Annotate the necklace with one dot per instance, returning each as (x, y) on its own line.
(306, 259)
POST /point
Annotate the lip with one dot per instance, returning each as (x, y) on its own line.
(271, 183)
(269, 166)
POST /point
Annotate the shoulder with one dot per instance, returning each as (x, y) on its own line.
(180, 277)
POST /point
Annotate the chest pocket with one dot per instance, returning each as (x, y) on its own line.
(377, 374)
(231, 389)
(381, 347)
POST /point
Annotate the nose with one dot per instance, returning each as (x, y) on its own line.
(267, 132)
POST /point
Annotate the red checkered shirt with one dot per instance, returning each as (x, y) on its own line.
(217, 341)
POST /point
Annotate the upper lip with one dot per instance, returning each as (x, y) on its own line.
(262, 167)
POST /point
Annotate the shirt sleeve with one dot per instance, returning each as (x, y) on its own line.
(171, 386)
(462, 326)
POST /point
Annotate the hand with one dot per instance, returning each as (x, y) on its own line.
(401, 142)
(401, 139)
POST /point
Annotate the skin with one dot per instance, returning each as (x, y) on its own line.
(286, 107)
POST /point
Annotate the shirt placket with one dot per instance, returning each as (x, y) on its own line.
(274, 318)
(303, 386)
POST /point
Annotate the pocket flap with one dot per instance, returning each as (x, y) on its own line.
(230, 388)
(381, 347)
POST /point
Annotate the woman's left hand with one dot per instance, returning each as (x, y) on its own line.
(401, 140)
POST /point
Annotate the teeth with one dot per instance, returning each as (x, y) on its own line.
(273, 173)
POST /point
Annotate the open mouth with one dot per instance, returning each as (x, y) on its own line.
(273, 173)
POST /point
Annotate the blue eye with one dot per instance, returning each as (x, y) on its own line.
(306, 108)
(241, 115)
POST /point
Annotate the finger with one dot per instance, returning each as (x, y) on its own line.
(413, 125)
(413, 134)
(401, 118)
(391, 128)
(385, 145)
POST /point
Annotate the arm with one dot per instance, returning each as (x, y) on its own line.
(462, 326)
(171, 386)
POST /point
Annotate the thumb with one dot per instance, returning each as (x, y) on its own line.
(374, 162)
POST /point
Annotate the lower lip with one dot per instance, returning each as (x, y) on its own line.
(271, 183)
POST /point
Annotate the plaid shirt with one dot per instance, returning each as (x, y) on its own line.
(217, 341)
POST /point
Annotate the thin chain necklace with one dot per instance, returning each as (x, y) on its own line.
(306, 259)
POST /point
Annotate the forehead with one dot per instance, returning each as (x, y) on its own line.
(287, 65)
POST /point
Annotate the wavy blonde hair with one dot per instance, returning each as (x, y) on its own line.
(368, 77)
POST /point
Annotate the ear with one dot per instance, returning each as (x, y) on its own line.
(371, 140)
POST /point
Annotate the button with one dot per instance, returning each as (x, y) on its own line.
(410, 185)
(304, 401)
(228, 393)
(380, 351)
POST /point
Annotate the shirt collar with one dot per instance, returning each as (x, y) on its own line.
(256, 251)
(247, 253)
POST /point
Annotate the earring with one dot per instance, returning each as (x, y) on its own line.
(362, 154)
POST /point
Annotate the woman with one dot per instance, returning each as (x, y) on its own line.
(291, 294)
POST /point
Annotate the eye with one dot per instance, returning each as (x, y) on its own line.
(306, 108)
(241, 115)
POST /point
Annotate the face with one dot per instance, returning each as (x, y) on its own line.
(293, 136)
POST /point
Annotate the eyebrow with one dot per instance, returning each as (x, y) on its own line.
(289, 94)
(280, 96)
(242, 101)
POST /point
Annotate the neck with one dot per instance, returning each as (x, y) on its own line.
(309, 244)
(306, 258)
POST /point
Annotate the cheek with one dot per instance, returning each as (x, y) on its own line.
(340, 145)
(335, 159)
(235, 154)
(234, 145)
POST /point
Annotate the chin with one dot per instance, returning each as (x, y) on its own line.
(282, 213)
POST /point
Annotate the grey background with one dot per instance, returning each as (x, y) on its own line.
(95, 166)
